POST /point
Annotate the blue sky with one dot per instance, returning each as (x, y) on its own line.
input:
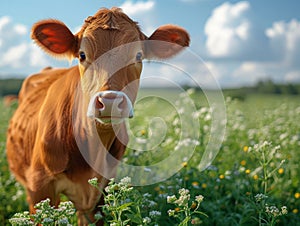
(240, 42)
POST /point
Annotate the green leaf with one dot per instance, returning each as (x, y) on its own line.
(199, 212)
(135, 218)
(124, 206)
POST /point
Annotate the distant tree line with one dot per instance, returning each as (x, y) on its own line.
(268, 86)
(264, 87)
(10, 86)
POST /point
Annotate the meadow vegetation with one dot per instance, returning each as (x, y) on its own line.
(254, 180)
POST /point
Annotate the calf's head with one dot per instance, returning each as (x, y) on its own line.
(110, 48)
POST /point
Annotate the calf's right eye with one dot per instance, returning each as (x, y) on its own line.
(82, 56)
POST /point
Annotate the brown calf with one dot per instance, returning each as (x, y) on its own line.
(48, 145)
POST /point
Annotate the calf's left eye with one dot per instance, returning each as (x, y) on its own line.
(139, 57)
(82, 56)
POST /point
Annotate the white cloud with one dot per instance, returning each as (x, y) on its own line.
(14, 55)
(4, 21)
(285, 41)
(19, 54)
(37, 57)
(283, 64)
(143, 12)
(139, 7)
(241, 51)
(231, 33)
(248, 73)
(225, 29)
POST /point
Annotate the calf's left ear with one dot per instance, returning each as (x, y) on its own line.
(55, 38)
(167, 41)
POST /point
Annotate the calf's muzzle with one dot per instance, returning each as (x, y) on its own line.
(110, 107)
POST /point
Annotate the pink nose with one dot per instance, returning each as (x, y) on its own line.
(110, 105)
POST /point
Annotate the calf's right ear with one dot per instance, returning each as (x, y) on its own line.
(166, 41)
(55, 38)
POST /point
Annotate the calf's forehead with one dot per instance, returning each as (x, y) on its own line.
(109, 38)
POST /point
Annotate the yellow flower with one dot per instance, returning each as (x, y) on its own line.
(157, 188)
(247, 171)
(177, 209)
(204, 185)
(295, 211)
(221, 176)
(280, 170)
(245, 148)
(297, 195)
(184, 164)
(195, 184)
(143, 132)
(255, 177)
(243, 162)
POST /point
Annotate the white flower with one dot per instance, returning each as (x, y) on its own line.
(47, 220)
(183, 191)
(125, 180)
(190, 91)
(171, 199)
(171, 212)
(146, 169)
(183, 200)
(199, 198)
(154, 213)
(260, 197)
(147, 195)
(272, 210)
(152, 203)
(147, 220)
(284, 210)
(63, 221)
(98, 216)
(93, 181)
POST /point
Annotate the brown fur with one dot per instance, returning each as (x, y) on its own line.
(41, 148)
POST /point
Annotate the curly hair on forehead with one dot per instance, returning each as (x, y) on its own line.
(108, 19)
(113, 19)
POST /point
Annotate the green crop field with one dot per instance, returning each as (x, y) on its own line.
(254, 179)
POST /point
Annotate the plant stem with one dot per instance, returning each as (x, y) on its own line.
(259, 219)
(265, 172)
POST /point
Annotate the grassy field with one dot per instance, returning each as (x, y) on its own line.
(254, 180)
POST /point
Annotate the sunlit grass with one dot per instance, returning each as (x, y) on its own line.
(259, 158)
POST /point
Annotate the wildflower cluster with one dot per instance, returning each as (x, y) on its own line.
(269, 159)
(260, 197)
(122, 204)
(268, 213)
(185, 207)
(46, 215)
(116, 200)
(273, 211)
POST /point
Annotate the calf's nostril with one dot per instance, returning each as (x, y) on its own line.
(99, 104)
(122, 104)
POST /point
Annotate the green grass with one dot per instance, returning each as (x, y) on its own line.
(240, 171)
(11, 193)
